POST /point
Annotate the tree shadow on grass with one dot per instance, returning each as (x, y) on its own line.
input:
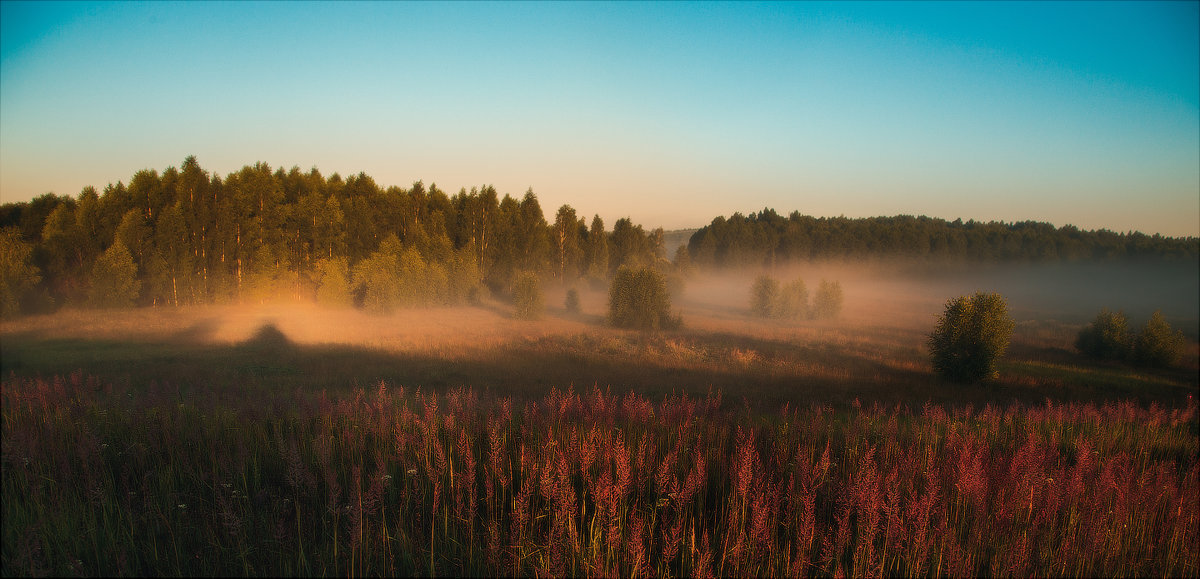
(782, 373)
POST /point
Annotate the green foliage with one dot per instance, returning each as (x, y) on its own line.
(114, 279)
(527, 296)
(376, 278)
(572, 301)
(638, 298)
(261, 233)
(18, 275)
(265, 275)
(970, 337)
(630, 245)
(764, 296)
(767, 238)
(333, 287)
(827, 303)
(1157, 344)
(768, 300)
(793, 300)
(1107, 337)
(596, 252)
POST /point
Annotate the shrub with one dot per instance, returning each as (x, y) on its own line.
(572, 303)
(970, 337)
(638, 298)
(764, 296)
(527, 296)
(1106, 338)
(1157, 344)
(793, 301)
(827, 304)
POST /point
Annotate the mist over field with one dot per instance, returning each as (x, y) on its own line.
(600, 289)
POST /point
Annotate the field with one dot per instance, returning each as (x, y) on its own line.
(289, 439)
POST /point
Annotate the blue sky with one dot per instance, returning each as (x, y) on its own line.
(670, 113)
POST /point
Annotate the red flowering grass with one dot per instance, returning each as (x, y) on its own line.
(99, 482)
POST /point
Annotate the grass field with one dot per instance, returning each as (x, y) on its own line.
(288, 439)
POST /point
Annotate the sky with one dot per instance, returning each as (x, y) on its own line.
(669, 113)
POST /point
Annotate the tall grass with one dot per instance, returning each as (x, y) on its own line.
(100, 479)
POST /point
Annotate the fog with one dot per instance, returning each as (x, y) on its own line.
(895, 293)
(876, 295)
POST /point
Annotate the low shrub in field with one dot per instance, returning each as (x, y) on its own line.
(793, 301)
(769, 300)
(827, 302)
(763, 296)
(638, 298)
(970, 337)
(101, 480)
(1158, 344)
(1107, 337)
(572, 301)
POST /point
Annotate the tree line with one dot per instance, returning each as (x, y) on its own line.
(190, 236)
(768, 239)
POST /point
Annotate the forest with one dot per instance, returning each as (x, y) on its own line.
(189, 236)
(767, 238)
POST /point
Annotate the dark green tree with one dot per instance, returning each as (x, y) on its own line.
(971, 337)
(114, 279)
(1107, 337)
(638, 299)
(1158, 344)
(18, 274)
(596, 255)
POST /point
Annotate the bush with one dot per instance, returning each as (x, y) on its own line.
(764, 296)
(527, 296)
(638, 298)
(970, 337)
(793, 301)
(827, 304)
(572, 302)
(768, 300)
(1106, 338)
(1157, 344)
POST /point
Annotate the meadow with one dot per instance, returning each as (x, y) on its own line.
(289, 439)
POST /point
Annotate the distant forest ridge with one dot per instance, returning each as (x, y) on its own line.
(188, 236)
(767, 238)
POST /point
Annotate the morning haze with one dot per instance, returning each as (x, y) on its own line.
(600, 289)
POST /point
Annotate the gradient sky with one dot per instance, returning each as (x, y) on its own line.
(670, 113)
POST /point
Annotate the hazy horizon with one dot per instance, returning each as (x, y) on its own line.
(670, 113)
